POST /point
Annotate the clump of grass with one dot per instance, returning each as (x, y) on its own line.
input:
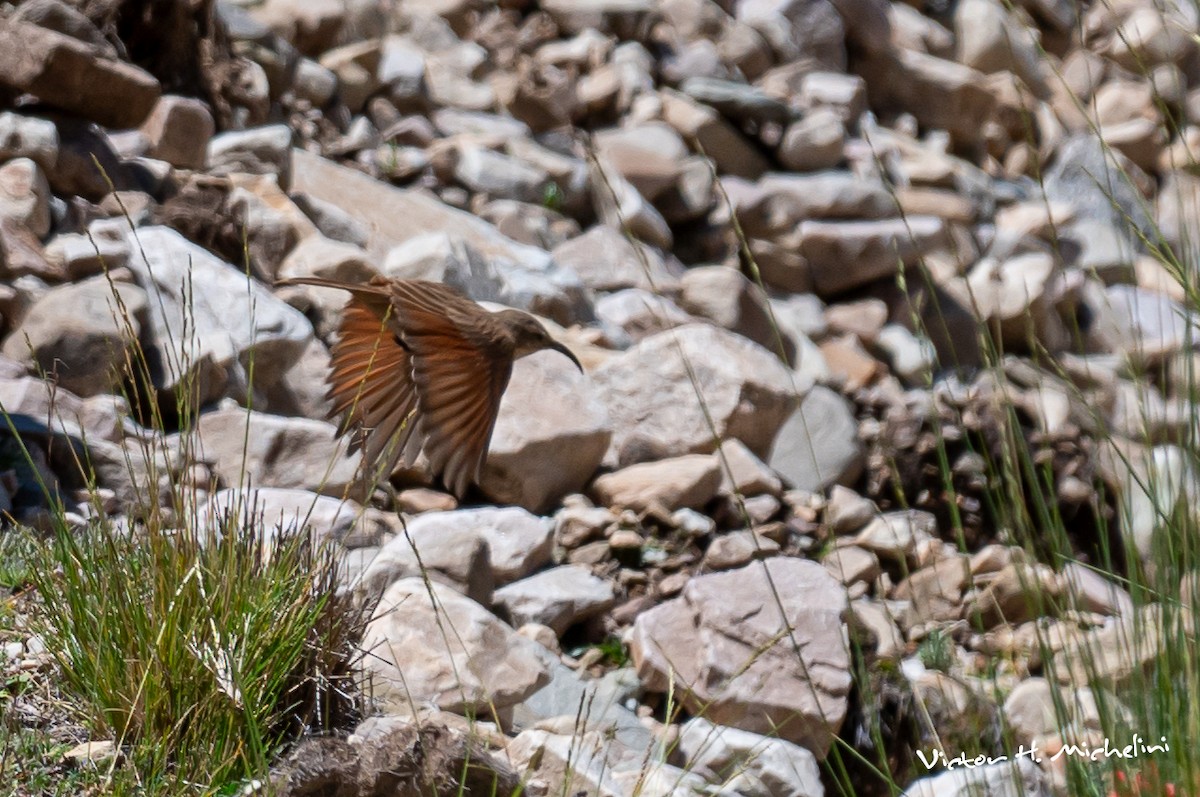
(936, 651)
(200, 644)
(17, 554)
(199, 653)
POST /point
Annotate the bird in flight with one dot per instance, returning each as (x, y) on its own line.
(417, 365)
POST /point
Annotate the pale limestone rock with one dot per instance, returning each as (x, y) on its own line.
(426, 644)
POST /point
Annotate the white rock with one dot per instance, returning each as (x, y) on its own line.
(429, 645)
(558, 598)
(206, 316)
(261, 450)
(551, 434)
(653, 404)
(1006, 779)
(25, 195)
(748, 764)
(274, 509)
(436, 546)
(818, 446)
(723, 649)
(689, 482)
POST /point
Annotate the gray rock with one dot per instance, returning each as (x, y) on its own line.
(746, 763)
(25, 195)
(545, 289)
(434, 545)
(737, 100)
(604, 699)
(68, 74)
(606, 260)
(279, 452)
(622, 17)
(818, 445)
(551, 434)
(28, 137)
(847, 511)
(736, 549)
(82, 256)
(318, 256)
(729, 299)
(558, 598)
(302, 390)
(777, 203)
(77, 334)
(1141, 324)
(848, 254)
(259, 150)
(896, 535)
(528, 223)
(571, 762)
(731, 151)
(1029, 710)
(647, 155)
(498, 175)
(393, 217)
(1014, 296)
(992, 40)
(744, 474)
(482, 666)
(178, 131)
(911, 358)
(273, 509)
(851, 564)
(204, 316)
(621, 205)
(653, 404)
(795, 28)
(36, 406)
(1089, 591)
(940, 93)
(813, 143)
(1098, 183)
(637, 314)
(724, 644)
(680, 482)
(314, 83)
(845, 95)
(332, 222)
(269, 220)
(518, 542)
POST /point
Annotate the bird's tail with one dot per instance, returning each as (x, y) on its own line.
(319, 282)
(372, 295)
(372, 288)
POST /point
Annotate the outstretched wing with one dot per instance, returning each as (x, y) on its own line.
(461, 362)
(371, 383)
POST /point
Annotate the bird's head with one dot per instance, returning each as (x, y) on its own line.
(530, 336)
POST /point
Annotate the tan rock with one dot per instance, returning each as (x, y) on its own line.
(482, 666)
(653, 404)
(935, 592)
(551, 434)
(179, 129)
(719, 140)
(743, 473)
(690, 481)
(559, 597)
(66, 73)
(277, 452)
(728, 652)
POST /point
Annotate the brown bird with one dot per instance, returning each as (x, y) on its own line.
(417, 365)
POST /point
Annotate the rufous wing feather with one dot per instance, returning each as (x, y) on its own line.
(460, 371)
(371, 384)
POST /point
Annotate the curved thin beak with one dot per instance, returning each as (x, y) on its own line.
(563, 350)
